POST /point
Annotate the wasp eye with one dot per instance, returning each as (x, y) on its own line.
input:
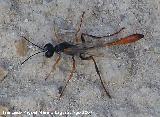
(49, 54)
(49, 50)
(48, 46)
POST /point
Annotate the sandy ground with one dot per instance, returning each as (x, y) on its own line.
(131, 72)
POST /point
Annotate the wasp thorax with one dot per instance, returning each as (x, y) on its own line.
(49, 50)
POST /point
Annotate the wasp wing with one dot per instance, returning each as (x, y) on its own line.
(90, 48)
(93, 47)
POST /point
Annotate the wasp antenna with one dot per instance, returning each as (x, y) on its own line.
(32, 43)
(30, 57)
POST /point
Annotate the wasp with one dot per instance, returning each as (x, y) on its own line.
(81, 50)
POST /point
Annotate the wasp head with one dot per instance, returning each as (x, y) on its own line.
(49, 50)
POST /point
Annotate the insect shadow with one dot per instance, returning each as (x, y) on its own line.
(81, 50)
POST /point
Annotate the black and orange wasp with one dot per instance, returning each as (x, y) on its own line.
(81, 50)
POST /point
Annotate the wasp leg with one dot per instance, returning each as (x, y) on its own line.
(97, 70)
(79, 28)
(106, 35)
(54, 66)
(70, 76)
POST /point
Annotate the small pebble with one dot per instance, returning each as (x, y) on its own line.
(21, 47)
(3, 73)
(26, 20)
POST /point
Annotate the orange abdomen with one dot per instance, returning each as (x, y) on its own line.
(126, 40)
